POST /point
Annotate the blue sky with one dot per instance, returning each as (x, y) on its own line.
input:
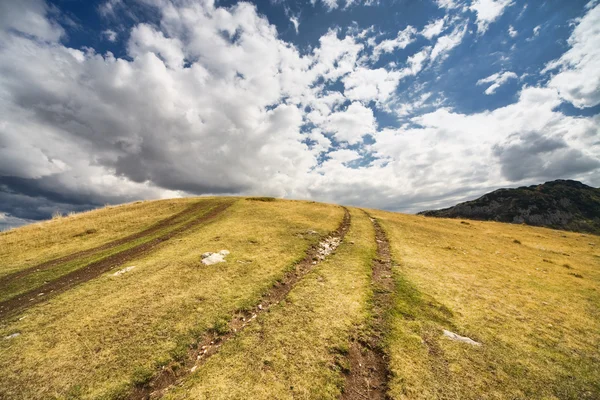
(402, 105)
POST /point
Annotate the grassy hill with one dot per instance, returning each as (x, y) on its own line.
(560, 204)
(313, 301)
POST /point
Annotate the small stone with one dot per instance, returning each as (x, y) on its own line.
(193, 368)
(12, 336)
(260, 307)
(123, 271)
(459, 338)
(214, 258)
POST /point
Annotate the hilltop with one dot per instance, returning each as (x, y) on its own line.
(260, 298)
(560, 204)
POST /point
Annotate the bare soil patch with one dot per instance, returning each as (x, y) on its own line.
(368, 374)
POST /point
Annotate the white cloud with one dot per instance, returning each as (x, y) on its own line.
(108, 8)
(488, 11)
(401, 41)
(447, 4)
(344, 155)
(212, 100)
(446, 43)
(578, 76)
(416, 62)
(434, 28)
(144, 39)
(351, 124)
(498, 79)
(371, 84)
(336, 57)
(29, 17)
(295, 22)
(512, 32)
(110, 35)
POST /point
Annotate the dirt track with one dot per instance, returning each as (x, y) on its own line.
(8, 279)
(95, 269)
(368, 376)
(211, 343)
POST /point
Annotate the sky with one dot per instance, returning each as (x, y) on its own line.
(401, 105)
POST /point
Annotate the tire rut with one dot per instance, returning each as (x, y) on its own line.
(50, 289)
(210, 344)
(10, 278)
(369, 371)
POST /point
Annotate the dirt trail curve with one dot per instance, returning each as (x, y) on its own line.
(210, 344)
(368, 376)
(189, 211)
(97, 268)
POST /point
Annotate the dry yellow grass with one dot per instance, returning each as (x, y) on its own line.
(33, 244)
(290, 352)
(529, 295)
(96, 340)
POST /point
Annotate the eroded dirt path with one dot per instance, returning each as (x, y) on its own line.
(369, 373)
(97, 268)
(210, 344)
(157, 227)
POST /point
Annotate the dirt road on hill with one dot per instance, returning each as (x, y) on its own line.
(97, 268)
(211, 343)
(368, 376)
(157, 227)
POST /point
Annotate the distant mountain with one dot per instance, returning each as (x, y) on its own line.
(560, 204)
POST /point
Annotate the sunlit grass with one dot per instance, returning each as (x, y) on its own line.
(37, 278)
(33, 244)
(297, 349)
(509, 287)
(100, 338)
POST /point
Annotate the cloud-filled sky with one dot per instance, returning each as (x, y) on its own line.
(402, 105)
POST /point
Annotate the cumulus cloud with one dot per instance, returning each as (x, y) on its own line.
(498, 79)
(434, 28)
(30, 17)
(371, 84)
(211, 100)
(351, 124)
(488, 11)
(512, 32)
(578, 70)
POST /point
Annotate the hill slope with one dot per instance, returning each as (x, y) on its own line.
(560, 204)
(312, 301)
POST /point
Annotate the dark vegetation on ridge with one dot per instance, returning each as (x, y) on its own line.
(560, 204)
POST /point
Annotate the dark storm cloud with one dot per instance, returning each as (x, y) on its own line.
(537, 156)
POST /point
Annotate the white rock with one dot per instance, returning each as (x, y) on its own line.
(459, 338)
(214, 258)
(224, 252)
(12, 336)
(124, 270)
(193, 368)
(207, 254)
